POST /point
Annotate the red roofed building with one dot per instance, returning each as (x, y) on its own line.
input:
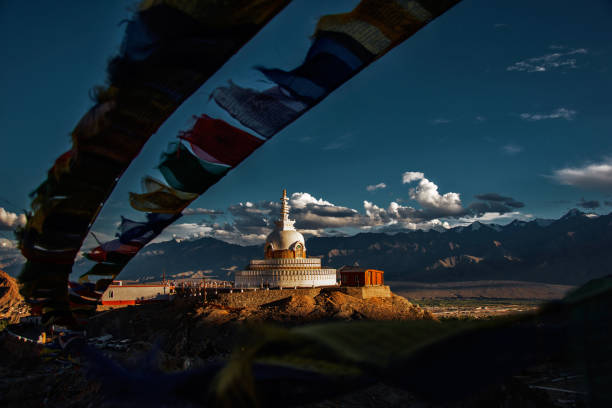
(356, 276)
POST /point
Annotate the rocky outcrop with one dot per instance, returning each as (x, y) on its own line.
(12, 305)
(310, 305)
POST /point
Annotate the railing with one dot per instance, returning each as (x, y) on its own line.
(199, 289)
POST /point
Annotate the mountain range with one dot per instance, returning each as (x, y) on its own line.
(571, 250)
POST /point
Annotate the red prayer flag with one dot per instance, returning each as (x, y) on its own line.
(216, 139)
(101, 253)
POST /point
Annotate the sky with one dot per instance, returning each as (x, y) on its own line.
(494, 111)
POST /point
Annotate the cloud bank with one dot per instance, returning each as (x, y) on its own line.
(560, 113)
(509, 201)
(595, 176)
(588, 204)
(201, 211)
(10, 221)
(251, 222)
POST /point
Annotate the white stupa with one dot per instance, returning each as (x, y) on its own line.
(285, 264)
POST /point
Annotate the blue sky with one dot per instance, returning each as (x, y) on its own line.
(504, 97)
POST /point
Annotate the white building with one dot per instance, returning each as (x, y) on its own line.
(118, 293)
(285, 264)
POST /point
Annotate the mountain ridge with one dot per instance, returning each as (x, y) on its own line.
(569, 250)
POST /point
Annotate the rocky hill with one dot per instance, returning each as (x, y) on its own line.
(12, 306)
(570, 250)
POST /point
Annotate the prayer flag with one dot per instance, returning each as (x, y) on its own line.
(264, 112)
(185, 172)
(113, 251)
(159, 198)
(112, 133)
(216, 139)
(141, 233)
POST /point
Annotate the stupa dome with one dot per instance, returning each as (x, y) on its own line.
(286, 239)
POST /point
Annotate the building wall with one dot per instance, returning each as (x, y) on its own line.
(352, 278)
(285, 278)
(133, 294)
(285, 253)
(365, 277)
(285, 263)
(374, 277)
(366, 292)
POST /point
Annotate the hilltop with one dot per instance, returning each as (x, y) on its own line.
(279, 306)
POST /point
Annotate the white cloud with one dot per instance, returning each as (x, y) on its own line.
(512, 149)
(411, 176)
(492, 218)
(397, 217)
(378, 215)
(428, 197)
(480, 119)
(301, 200)
(560, 113)
(595, 176)
(426, 194)
(375, 187)
(239, 239)
(549, 61)
(10, 221)
(7, 243)
(204, 211)
(188, 230)
(427, 225)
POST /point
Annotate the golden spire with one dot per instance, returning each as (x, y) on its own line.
(284, 223)
(284, 212)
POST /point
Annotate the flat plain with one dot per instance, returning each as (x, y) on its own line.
(479, 299)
